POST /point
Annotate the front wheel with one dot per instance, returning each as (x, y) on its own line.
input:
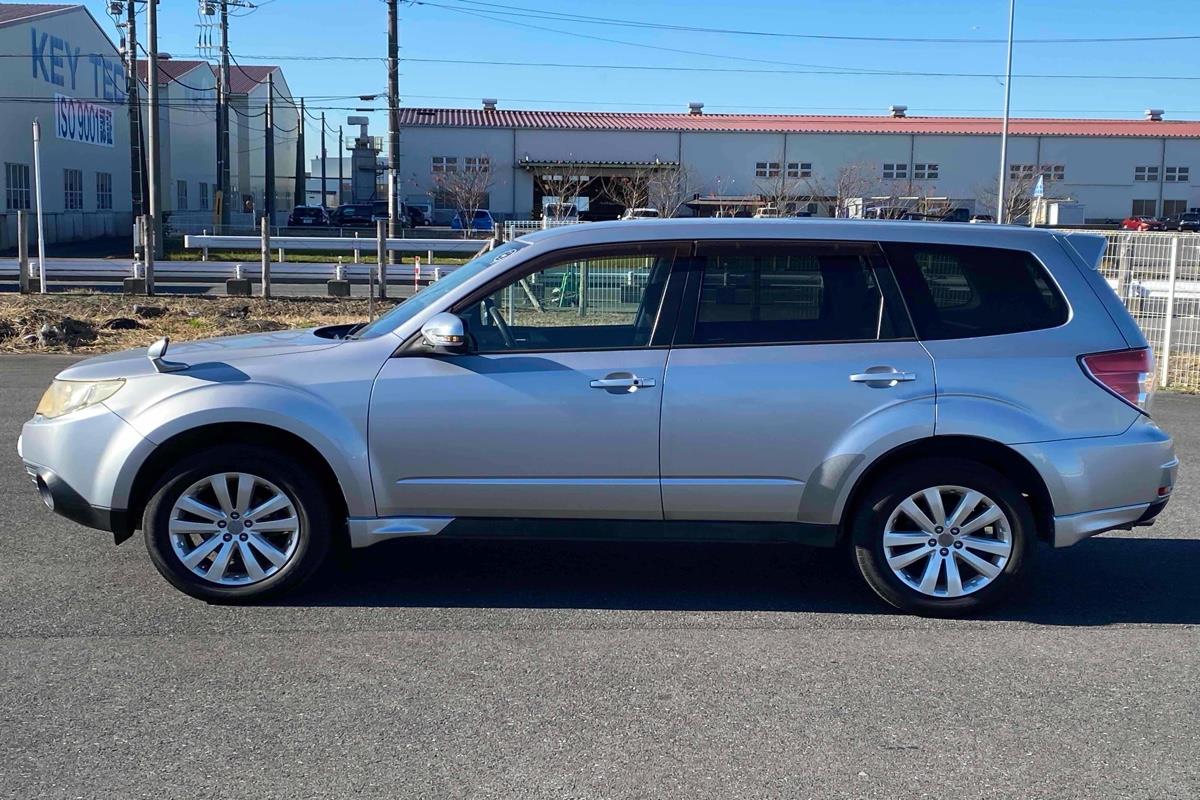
(237, 523)
(943, 537)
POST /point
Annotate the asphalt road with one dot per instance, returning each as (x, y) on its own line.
(444, 670)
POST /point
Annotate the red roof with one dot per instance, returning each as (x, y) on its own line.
(14, 12)
(244, 79)
(789, 123)
(168, 68)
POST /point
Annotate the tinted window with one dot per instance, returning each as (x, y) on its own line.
(958, 292)
(583, 303)
(797, 295)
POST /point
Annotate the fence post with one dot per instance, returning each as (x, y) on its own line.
(381, 255)
(1173, 269)
(1123, 268)
(23, 251)
(356, 253)
(583, 282)
(204, 250)
(266, 257)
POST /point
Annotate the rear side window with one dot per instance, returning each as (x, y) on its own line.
(957, 292)
(782, 295)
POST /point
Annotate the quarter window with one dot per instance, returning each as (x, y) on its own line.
(790, 295)
(599, 302)
(73, 189)
(16, 186)
(961, 292)
(895, 171)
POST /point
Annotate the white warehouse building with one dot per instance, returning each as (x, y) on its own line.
(734, 163)
(70, 78)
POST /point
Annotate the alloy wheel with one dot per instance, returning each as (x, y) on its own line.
(234, 529)
(947, 541)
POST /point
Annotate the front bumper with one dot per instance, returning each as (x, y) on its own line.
(62, 499)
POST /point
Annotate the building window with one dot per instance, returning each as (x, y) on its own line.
(799, 169)
(16, 186)
(1144, 208)
(766, 169)
(1174, 208)
(181, 195)
(1145, 174)
(893, 172)
(480, 164)
(1054, 172)
(203, 195)
(925, 172)
(1019, 171)
(104, 191)
(73, 189)
(1178, 175)
(442, 164)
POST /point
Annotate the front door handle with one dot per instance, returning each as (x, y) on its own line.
(882, 377)
(622, 383)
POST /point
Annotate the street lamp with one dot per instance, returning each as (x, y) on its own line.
(1012, 9)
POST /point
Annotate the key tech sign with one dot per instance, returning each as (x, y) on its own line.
(81, 121)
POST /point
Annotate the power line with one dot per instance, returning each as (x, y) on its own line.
(592, 20)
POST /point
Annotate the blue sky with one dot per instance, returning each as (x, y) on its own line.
(455, 30)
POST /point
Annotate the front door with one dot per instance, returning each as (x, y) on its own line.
(554, 412)
(785, 354)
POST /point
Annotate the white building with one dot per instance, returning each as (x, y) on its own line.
(1113, 167)
(67, 75)
(248, 89)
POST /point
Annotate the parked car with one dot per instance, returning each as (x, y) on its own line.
(561, 211)
(640, 213)
(767, 212)
(482, 221)
(938, 399)
(1188, 221)
(353, 215)
(1142, 223)
(311, 216)
(982, 218)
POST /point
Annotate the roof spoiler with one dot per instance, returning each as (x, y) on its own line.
(1088, 246)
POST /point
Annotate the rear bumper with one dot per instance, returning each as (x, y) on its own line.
(1074, 528)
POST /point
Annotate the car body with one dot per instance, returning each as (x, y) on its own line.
(308, 216)
(353, 215)
(829, 382)
(977, 218)
(641, 213)
(1143, 223)
(482, 221)
(1188, 221)
(767, 212)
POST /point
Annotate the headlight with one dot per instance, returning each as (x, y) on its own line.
(63, 397)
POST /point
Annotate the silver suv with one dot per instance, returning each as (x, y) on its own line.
(935, 398)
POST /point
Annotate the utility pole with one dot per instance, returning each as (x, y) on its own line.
(223, 117)
(300, 193)
(324, 200)
(269, 158)
(1012, 11)
(137, 176)
(393, 124)
(152, 142)
(341, 158)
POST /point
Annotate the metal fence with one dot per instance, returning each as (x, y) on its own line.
(1157, 277)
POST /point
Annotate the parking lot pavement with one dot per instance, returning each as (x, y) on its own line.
(536, 670)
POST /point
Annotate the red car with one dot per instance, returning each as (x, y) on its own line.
(1142, 224)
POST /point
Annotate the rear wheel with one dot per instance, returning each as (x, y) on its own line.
(237, 523)
(943, 537)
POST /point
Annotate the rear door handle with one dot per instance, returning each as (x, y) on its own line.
(882, 377)
(622, 382)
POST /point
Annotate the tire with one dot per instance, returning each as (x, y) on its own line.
(288, 546)
(902, 581)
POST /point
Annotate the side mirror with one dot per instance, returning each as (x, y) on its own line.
(445, 333)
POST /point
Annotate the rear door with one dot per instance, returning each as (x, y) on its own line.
(783, 351)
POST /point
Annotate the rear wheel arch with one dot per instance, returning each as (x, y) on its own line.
(206, 437)
(988, 452)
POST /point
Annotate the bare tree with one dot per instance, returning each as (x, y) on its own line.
(855, 179)
(632, 190)
(1018, 196)
(562, 183)
(777, 189)
(465, 190)
(669, 189)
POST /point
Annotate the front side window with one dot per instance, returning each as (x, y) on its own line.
(958, 292)
(72, 189)
(590, 302)
(789, 295)
(893, 172)
(16, 186)
(104, 197)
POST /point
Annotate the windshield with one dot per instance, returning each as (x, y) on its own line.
(437, 290)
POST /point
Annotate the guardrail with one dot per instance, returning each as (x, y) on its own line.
(103, 271)
(333, 244)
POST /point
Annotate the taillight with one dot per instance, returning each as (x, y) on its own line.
(1129, 374)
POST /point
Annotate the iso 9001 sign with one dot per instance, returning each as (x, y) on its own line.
(81, 121)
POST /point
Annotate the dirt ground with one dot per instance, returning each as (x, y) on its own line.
(87, 322)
